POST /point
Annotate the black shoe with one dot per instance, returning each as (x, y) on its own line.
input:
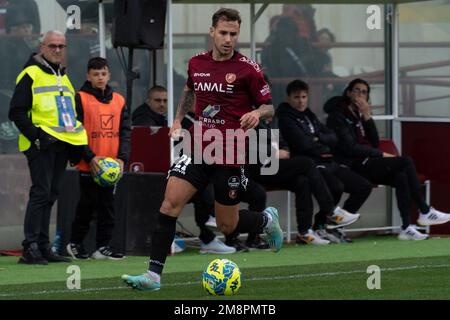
(257, 243)
(32, 255)
(50, 256)
(237, 244)
(77, 251)
(107, 253)
(340, 234)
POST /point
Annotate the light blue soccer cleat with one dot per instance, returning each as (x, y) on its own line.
(142, 282)
(273, 230)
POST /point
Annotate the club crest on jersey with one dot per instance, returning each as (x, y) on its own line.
(230, 77)
(210, 111)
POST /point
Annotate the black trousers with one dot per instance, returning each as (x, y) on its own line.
(203, 202)
(300, 175)
(399, 173)
(340, 179)
(98, 200)
(46, 170)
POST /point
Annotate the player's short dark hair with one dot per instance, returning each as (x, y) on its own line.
(156, 88)
(97, 63)
(353, 83)
(295, 86)
(226, 14)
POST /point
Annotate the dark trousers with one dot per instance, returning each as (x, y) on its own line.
(203, 202)
(46, 170)
(340, 179)
(399, 173)
(94, 199)
(300, 175)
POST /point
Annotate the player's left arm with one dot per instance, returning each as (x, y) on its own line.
(251, 119)
(260, 91)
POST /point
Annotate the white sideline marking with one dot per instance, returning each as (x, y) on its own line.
(294, 276)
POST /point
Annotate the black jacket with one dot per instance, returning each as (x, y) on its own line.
(346, 125)
(124, 129)
(22, 100)
(296, 131)
(144, 116)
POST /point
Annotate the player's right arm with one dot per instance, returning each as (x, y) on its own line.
(186, 104)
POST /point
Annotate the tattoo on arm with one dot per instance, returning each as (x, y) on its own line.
(187, 103)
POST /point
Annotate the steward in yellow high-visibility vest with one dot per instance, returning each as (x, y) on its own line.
(53, 106)
(43, 109)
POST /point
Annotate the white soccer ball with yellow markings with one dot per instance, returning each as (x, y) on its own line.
(221, 277)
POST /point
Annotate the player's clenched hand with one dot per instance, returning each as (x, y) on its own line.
(250, 120)
(175, 130)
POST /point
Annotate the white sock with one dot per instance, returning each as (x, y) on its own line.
(154, 276)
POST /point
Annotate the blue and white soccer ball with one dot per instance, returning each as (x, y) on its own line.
(221, 277)
(109, 172)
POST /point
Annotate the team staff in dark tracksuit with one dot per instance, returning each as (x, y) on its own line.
(307, 136)
(299, 175)
(43, 109)
(350, 117)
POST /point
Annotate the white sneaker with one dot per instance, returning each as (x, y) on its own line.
(433, 217)
(311, 237)
(411, 233)
(211, 223)
(342, 218)
(216, 246)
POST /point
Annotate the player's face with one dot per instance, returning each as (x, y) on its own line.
(225, 36)
(298, 100)
(99, 77)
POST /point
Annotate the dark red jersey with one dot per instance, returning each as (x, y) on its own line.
(225, 90)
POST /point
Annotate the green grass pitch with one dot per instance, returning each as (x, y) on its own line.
(409, 270)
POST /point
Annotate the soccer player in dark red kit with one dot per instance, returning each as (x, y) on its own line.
(230, 92)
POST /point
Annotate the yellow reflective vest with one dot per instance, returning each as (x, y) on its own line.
(47, 108)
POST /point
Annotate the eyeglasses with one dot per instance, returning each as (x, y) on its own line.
(56, 46)
(359, 91)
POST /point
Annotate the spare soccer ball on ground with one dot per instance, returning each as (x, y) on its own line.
(221, 277)
(109, 172)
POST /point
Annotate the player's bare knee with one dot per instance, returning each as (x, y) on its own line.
(170, 207)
